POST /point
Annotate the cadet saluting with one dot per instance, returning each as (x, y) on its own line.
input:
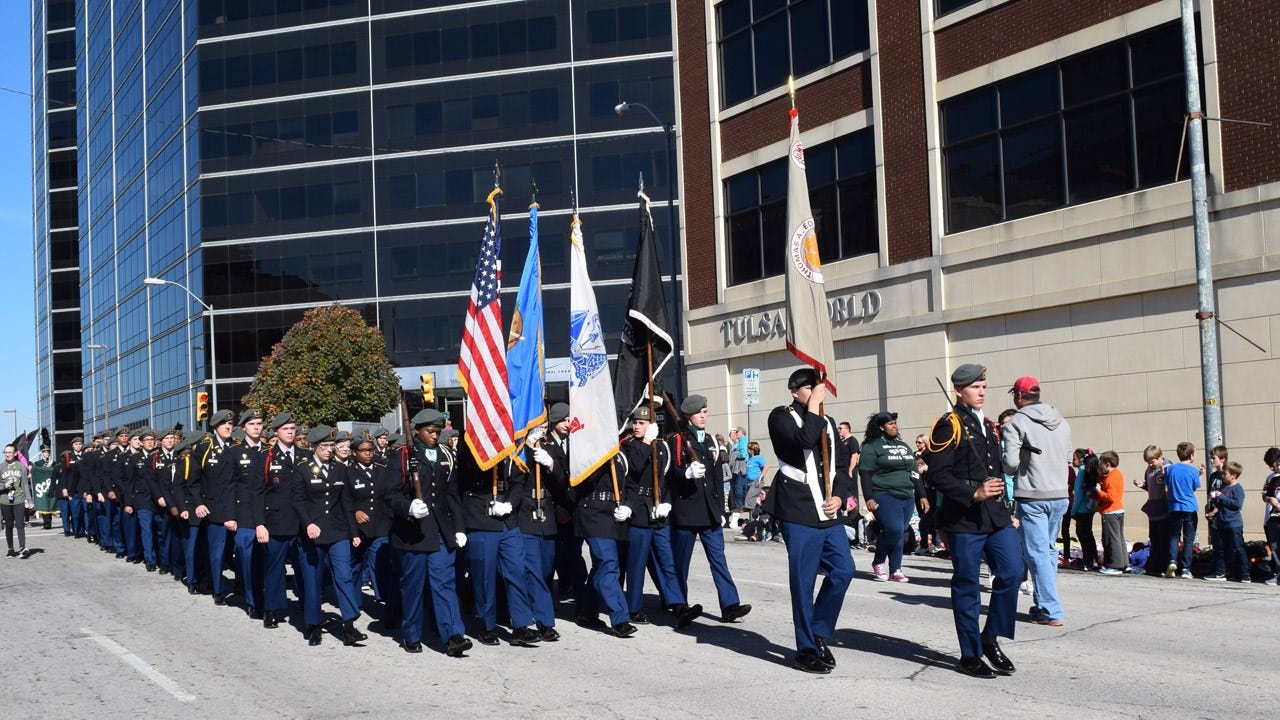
(806, 496)
(963, 455)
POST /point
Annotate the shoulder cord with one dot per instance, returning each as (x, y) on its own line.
(957, 432)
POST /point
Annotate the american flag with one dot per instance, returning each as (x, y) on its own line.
(482, 365)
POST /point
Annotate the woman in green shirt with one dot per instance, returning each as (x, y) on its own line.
(15, 498)
(885, 468)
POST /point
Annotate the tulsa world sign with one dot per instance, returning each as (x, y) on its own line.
(841, 310)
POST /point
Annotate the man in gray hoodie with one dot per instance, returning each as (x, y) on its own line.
(1037, 452)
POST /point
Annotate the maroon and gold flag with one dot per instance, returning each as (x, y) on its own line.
(808, 329)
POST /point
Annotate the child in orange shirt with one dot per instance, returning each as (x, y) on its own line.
(1110, 496)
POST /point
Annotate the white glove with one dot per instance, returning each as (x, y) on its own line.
(500, 509)
(460, 539)
(543, 457)
(622, 513)
(695, 470)
(663, 510)
(535, 436)
(651, 432)
(419, 509)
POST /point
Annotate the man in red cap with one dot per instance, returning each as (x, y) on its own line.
(1037, 452)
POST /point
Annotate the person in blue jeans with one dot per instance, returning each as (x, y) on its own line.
(1037, 449)
(1182, 480)
(890, 489)
(1229, 500)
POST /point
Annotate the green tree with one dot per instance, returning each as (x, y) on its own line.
(330, 366)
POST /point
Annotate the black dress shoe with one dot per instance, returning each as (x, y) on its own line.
(548, 634)
(119, 555)
(457, 646)
(999, 661)
(314, 634)
(974, 667)
(640, 618)
(525, 637)
(824, 653)
(350, 635)
(269, 620)
(151, 567)
(686, 614)
(414, 648)
(488, 637)
(193, 590)
(220, 598)
(623, 630)
(255, 613)
(734, 611)
(591, 622)
(811, 663)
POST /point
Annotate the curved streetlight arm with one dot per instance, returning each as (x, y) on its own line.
(160, 281)
(624, 107)
(213, 350)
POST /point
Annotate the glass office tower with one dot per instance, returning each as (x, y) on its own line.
(279, 155)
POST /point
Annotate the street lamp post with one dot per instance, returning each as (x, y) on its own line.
(669, 130)
(213, 346)
(106, 401)
(15, 421)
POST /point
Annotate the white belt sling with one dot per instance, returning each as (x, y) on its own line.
(809, 475)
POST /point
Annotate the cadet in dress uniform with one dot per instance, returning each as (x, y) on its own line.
(420, 491)
(129, 477)
(327, 520)
(177, 526)
(570, 568)
(601, 516)
(375, 561)
(536, 512)
(963, 454)
(649, 536)
(212, 453)
(276, 523)
(90, 466)
(144, 507)
(806, 496)
(697, 504)
(489, 501)
(188, 503)
(66, 479)
(380, 446)
(116, 461)
(240, 498)
(157, 476)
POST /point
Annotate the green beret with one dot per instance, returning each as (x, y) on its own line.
(428, 416)
(693, 404)
(321, 433)
(281, 420)
(558, 412)
(967, 374)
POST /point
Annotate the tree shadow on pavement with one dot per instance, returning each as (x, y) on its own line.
(870, 642)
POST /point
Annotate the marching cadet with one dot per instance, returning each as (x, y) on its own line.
(374, 559)
(144, 507)
(601, 517)
(963, 454)
(342, 448)
(489, 501)
(570, 568)
(244, 467)
(649, 536)
(697, 504)
(187, 502)
(129, 477)
(117, 459)
(275, 522)
(419, 489)
(88, 476)
(328, 533)
(212, 453)
(177, 527)
(101, 488)
(811, 486)
(70, 501)
(537, 518)
(157, 476)
(380, 446)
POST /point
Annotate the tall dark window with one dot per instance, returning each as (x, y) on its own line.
(1098, 124)
(762, 41)
(842, 192)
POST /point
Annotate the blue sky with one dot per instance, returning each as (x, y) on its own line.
(17, 350)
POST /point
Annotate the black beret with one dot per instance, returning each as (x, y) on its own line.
(558, 412)
(428, 416)
(249, 415)
(321, 433)
(967, 374)
(281, 420)
(693, 404)
(804, 377)
(222, 416)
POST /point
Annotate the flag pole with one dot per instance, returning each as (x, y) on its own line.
(653, 417)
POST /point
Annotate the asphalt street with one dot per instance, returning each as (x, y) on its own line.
(89, 636)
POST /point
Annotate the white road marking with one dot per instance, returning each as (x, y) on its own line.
(140, 665)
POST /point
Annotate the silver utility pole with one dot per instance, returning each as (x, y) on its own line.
(1206, 314)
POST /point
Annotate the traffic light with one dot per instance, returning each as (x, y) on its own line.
(429, 388)
(202, 407)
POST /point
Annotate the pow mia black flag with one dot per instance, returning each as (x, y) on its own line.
(646, 324)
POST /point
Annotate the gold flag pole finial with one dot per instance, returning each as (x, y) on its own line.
(791, 90)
